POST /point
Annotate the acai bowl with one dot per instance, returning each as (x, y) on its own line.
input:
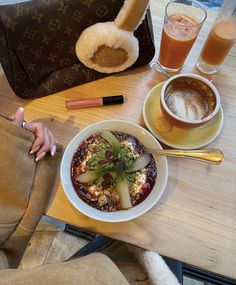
(107, 175)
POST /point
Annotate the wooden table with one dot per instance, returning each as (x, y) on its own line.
(195, 221)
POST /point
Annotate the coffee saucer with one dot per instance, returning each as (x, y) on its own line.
(176, 137)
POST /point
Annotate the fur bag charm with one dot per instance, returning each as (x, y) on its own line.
(111, 46)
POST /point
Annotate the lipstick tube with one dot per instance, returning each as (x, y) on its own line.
(94, 102)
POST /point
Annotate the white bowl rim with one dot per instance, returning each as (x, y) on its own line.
(119, 216)
(201, 78)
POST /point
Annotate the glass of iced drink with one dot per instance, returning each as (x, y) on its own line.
(220, 39)
(182, 23)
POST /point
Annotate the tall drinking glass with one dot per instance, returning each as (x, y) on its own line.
(220, 39)
(182, 23)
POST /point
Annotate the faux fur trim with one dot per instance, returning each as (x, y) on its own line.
(157, 269)
(106, 34)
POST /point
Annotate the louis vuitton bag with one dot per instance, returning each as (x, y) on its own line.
(38, 39)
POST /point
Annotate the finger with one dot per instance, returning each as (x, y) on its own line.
(53, 143)
(53, 150)
(18, 117)
(45, 147)
(39, 157)
(38, 130)
(35, 149)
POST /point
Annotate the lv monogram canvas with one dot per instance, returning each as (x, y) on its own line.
(38, 38)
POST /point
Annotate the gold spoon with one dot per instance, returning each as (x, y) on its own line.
(213, 155)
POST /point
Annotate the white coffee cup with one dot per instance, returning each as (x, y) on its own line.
(189, 100)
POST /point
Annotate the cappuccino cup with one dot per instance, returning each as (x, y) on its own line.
(189, 100)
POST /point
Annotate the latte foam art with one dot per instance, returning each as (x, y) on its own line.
(188, 107)
(189, 99)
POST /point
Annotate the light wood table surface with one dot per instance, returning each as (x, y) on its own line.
(195, 220)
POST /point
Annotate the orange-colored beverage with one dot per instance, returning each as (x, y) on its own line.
(218, 43)
(178, 37)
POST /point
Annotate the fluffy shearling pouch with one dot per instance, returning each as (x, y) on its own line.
(38, 39)
(25, 188)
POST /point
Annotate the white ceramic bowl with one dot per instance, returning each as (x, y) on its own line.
(123, 215)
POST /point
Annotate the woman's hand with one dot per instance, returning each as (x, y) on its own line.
(44, 140)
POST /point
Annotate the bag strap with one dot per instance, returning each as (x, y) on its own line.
(130, 14)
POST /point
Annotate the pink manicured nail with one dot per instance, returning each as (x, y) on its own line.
(53, 151)
(34, 149)
(40, 156)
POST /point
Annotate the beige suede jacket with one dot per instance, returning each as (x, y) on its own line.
(25, 187)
